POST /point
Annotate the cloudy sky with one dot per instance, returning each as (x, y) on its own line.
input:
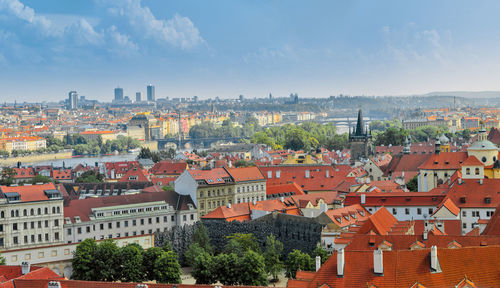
(227, 47)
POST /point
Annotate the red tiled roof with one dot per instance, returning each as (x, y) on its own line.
(167, 167)
(432, 198)
(474, 193)
(379, 222)
(213, 176)
(472, 161)
(243, 174)
(348, 215)
(30, 193)
(445, 161)
(329, 198)
(293, 189)
(493, 227)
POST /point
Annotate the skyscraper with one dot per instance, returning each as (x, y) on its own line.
(72, 100)
(138, 97)
(151, 93)
(118, 94)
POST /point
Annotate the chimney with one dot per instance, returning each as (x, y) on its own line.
(435, 268)
(327, 173)
(378, 262)
(254, 202)
(54, 284)
(282, 199)
(363, 198)
(228, 205)
(25, 268)
(340, 262)
(480, 181)
(426, 234)
(318, 262)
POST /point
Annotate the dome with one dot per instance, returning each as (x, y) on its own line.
(483, 145)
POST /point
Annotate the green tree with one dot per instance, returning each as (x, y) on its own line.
(272, 256)
(2, 260)
(412, 184)
(190, 254)
(201, 237)
(319, 251)
(391, 136)
(40, 179)
(167, 246)
(298, 139)
(7, 176)
(247, 241)
(243, 163)
(226, 268)
(131, 261)
(90, 176)
(337, 142)
(297, 260)
(203, 269)
(106, 261)
(167, 269)
(252, 269)
(263, 138)
(83, 260)
(148, 262)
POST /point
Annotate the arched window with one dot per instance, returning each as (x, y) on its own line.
(467, 171)
(46, 210)
(39, 211)
(32, 212)
(58, 210)
(12, 213)
(2, 214)
(477, 171)
(53, 210)
(17, 213)
(25, 212)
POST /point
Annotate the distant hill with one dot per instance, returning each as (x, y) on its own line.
(466, 94)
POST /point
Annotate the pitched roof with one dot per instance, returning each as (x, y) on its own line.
(213, 176)
(292, 189)
(379, 222)
(472, 161)
(168, 167)
(83, 207)
(445, 161)
(493, 227)
(348, 215)
(243, 174)
(30, 193)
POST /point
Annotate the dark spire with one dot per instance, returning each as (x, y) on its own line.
(360, 127)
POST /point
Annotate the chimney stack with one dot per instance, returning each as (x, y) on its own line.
(363, 198)
(378, 262)
(25, 268)
(318, 262)
(435, 268)
(426, 235)
(340, 262)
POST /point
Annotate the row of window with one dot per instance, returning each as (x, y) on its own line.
(15, 226)
(15, 213)
(476, 213)
(133, 211)
(15, 239)
(126, 223)
(407, 211)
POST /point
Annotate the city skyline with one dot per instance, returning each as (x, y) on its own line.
(316, 49)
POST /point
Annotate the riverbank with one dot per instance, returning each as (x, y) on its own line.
(67, 154)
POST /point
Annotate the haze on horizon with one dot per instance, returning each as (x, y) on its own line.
(226, 48)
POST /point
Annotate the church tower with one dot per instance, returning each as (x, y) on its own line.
(360, 141)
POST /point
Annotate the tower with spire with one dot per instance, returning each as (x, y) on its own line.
(360, 141)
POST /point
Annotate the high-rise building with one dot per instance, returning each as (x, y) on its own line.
(151, 93)
(118, 94)
(138, 97)
(72, 100)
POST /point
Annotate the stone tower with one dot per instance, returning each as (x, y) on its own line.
(360, 141)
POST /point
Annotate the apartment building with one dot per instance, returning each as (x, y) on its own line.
(126, 215)
(28, 143)
(210, 189)
(30, 216)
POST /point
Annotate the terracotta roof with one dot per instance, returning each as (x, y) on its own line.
(243, 174)
(168, 167)
(448, 204)
(493, 227)
(380, 222)
(348, 215)
(474, 193)
(329, 198)
(293, 189)
(404, 268)
(472, 161)
(407, 163)
(213, 176)
(445, 161)
(30, 193)
(432, 198)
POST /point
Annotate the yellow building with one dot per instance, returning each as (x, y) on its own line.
(28, 143)
(299, 159)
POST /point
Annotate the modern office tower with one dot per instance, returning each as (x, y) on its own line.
(138, 97)
(118, 94)
(72, 100)
(151, 93)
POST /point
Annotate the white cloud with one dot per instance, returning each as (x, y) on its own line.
(121, 44)
(179, 31)
(23, 12)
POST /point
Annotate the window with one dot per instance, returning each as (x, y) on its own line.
(126, 223)
(134, 222)
(394, 211)
(172, 218)
(46, 210)
(39, 211)
(150, 220)
(464, 225)
(110, 225)
(118, 224)
(464, 214)
(88, 229)
(14, 240)
(69, 231)
(157, 219)
(46, 223)
(419, 211)
(32, 225)
(477, 171)
(25, 239)
(101, 226)
(192, 216)
(56, 223)
(39, 224)
(407, 211)
(165, 219)
(430, 211)
(110, 236)
(184, 218)
(39, 237)
(79, 230)
(14, 226)
(46, 236)
(25, 225)
(142, 221)
(32, 238)
(25, 212)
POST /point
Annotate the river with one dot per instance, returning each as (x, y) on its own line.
(72, 162)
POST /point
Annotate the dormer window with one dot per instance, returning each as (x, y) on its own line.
(487, 200)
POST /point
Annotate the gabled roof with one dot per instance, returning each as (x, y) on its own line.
(348, 215)
(493, 227)
(168, 167)
(379, 222)
(472, 161)
(30, 193)
(292, 189)
(213, 176)
(449, 205)
(243, 174)
(445, 161)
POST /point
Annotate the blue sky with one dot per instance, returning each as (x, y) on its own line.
(226, 48)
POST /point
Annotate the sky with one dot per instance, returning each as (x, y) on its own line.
(226, 48)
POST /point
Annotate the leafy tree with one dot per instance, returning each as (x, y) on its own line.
(243, 163)
(298, 260)
(4, 153)
(319, 251)
(83, 260)
(7, 176)
(412, 184)
(201, 237)
(272, 256)
(90, 176)
(106, 262)
(148, 262)
(263, 138)
(247, 241)
(203, 269)
(167, 269)
(391, 136)
(337, 142)
(2, 261)
(252, 269)
(298, 139)
(191, 252)
(131, 261)
(226, 268)
(167, 246)
(40, 179)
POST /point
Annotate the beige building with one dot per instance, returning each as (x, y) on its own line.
(30, 216)
(94, 135)
(126, 215)
(58, 257)
(210, 189)
(28, 143)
